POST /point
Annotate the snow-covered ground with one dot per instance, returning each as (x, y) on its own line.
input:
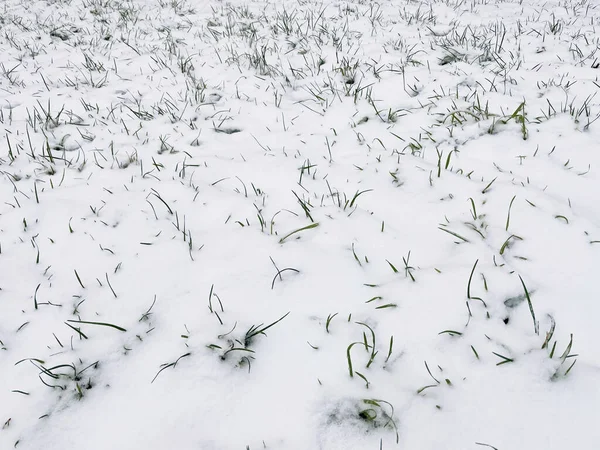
(299, 224)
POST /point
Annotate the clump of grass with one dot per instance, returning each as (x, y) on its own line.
(242, 345)
(373, 412)
(64, 377)
(367, 414)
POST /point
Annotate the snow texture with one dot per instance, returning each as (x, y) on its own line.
(299, 224)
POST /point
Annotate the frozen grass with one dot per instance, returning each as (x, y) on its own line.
(299, 225)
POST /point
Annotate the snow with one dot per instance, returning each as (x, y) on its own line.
(299, 225)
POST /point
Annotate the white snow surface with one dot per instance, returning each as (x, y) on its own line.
(405, 193)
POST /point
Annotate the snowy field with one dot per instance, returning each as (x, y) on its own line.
(294, 225)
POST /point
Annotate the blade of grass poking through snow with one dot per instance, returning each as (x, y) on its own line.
(308, 227)
(255, 330)
(166, 366)
(328, 321)
(388, 305)
(349, 357)
(236, 349)
(488, 187)
(430, 374)
(408, 268)
(451, 332)
(504, 359)
(427, 387)
(110, 286)
(78, 279)
(470, 279)
(562, 217)
(453, 234)
(508, 215)
(392, 266)
(473, 209)
(507, 242)
(81, 335)
(536, 324)
(104, 324)
(358, 194)
(35, 303)
(550, 332)
(39, 361)
(364, 379)
(391, 347)
(373, 352)
(148, 313)
(305, 207)
(210, 294)
(157, 195)
(567, 351)
(486, 445)
(17, 391)
(570, 367)
(279, 272)
(355, 256)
